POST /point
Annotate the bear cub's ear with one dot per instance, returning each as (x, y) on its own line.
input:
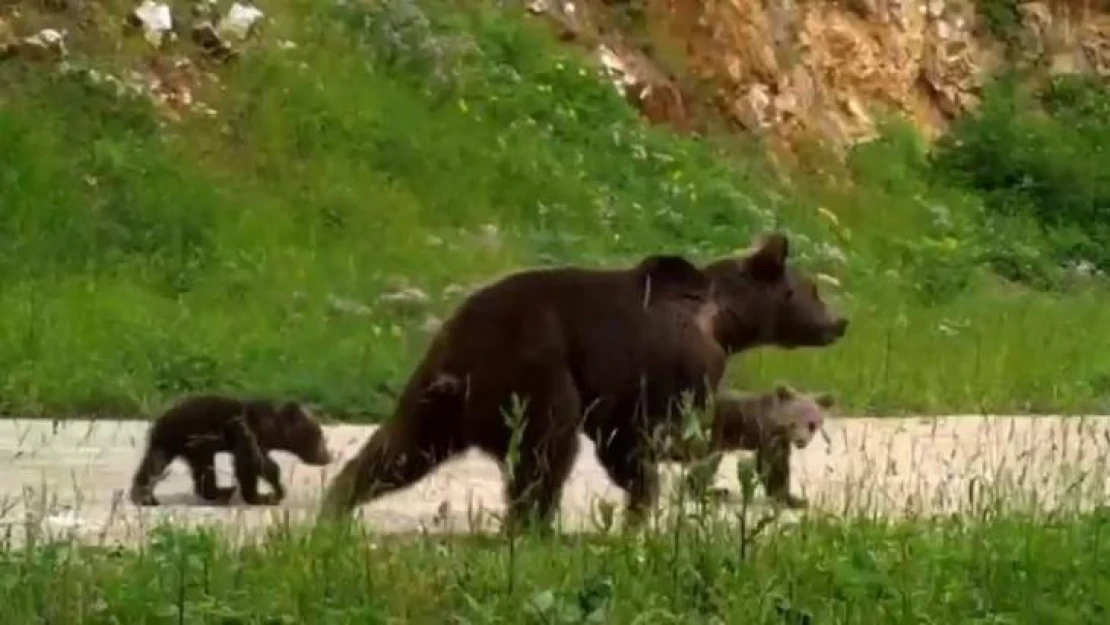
(825, 400)
(784, 392)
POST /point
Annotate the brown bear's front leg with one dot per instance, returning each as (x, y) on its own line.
(626, 457)
(772, 463)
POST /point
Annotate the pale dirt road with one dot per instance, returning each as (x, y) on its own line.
(74, 480)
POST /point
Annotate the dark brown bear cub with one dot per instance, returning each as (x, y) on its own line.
(767, 423)
(200, 426)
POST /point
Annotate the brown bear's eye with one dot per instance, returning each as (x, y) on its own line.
(812, 426)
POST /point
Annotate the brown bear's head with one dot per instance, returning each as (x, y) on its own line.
(804, 414)
(762, 300)
(301, 434)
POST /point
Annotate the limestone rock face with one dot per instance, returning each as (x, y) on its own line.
(829, 69)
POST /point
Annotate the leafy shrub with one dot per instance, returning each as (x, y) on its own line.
(1038, 157)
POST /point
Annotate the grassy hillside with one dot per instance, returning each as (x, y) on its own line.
(433, 145)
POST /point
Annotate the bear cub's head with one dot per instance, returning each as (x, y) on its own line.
(296, 430)
(802, 414)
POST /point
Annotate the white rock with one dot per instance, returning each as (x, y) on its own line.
(155, 19)
(240, 19)
(46, 42)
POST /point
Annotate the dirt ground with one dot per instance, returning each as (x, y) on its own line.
(72, 477)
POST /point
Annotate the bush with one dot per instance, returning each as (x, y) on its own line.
(1037, 158)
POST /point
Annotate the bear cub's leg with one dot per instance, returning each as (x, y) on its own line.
(247, 472)
(772, 464)
(202, 467)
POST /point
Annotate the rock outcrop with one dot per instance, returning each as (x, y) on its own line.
(792, 69)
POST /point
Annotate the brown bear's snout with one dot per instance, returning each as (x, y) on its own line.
(839, 327)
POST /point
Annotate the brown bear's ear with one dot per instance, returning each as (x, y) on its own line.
(783, 391)
(767, 258)
(825, 400)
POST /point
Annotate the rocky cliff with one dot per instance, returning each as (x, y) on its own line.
(827, 70)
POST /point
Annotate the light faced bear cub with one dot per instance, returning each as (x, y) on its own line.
(200, 426)
(767, 423)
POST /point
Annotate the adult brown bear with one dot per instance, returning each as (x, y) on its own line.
(610, 351)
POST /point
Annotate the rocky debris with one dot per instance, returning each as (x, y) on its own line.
(633, 74)
(1095, 46)
(241, 21)
(453, 290)
(215, 37)
(431, 324)
(206, 36)
(46, 45)
(8, 39)
(155, 21)
(565, 16)
(408, 298)
(120, 87)
(347, 306)
(168, 83)
(803, 69)
(950, 61)
(212, 32)
(172, 84)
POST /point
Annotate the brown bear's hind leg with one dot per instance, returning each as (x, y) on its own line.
(625, 455)
(395, 456)
(151, 467)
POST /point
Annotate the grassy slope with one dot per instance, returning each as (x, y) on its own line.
(141, 262)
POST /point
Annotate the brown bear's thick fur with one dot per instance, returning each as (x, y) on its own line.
(199, 427)
(606, 350)
(766, 423)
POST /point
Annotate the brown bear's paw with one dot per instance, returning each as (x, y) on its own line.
(263, 499)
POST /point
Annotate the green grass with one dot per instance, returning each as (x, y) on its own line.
(436, 146)
(1013, 568)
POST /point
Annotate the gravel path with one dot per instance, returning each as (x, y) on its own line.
(73, 477)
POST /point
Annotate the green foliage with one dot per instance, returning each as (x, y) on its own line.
(1010, 569)
(419, 143)
(1045, 169)
(1002, 19)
